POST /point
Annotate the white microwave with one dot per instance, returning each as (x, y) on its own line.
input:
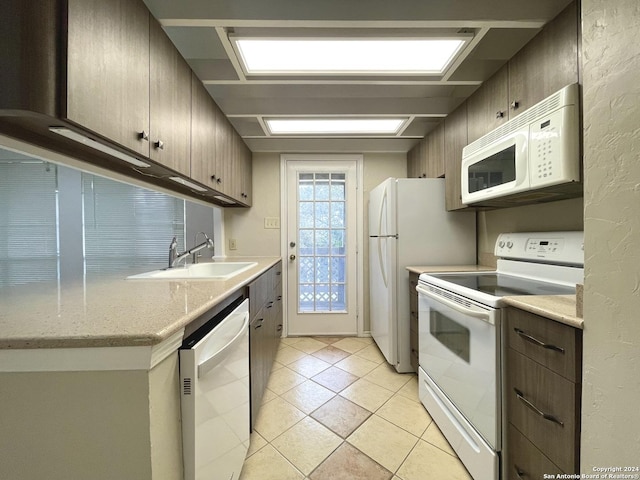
(538, 148)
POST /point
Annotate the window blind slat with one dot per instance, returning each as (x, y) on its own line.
(28, 220)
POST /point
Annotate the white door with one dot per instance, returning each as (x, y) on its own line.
(321, 249)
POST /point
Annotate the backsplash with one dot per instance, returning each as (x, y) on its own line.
(58, 223)
(553, 216)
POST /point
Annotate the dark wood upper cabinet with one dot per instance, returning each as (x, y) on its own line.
(547, 63)
(426, 159)
(107, 88)
(435, 152)
(106, 70)
(170, 103)
(203, 135)
(455, 139)
(224, 155)
(488, 107)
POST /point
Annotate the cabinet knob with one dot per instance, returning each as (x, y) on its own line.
(499, 114)
(159, 145)
(143, 135)
(213, 177)
(218, 180)
(424, 175)
(515, 104)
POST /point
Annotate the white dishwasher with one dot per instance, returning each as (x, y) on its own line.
(214, 376)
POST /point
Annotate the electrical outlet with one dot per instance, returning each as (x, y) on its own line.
(232, 244)
(271, 222)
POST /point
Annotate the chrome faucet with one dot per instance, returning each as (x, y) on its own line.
(175, 257)
(209, 243)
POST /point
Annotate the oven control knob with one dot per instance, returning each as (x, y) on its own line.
(501, 244)
(509, 244)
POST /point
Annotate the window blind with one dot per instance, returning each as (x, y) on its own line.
(28, 220)
(127, 226)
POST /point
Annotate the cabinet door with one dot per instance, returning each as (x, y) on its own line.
(203, 134)
(170, 105)
(413, 320)
(256, 364)
(488, 107)
(543, 406)
(246, 166)
(240, 165)
(435, 152)
(547, 63)
(108, 69)
(224, 153)
(455, 139)
(412, 170)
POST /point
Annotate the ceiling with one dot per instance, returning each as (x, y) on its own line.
(200, 30)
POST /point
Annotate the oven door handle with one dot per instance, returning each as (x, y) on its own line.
(482, 314)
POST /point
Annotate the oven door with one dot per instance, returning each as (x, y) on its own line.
(459, 349)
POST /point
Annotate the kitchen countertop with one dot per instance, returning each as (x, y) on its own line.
(449, 268)
(111, 311)
(561, 308)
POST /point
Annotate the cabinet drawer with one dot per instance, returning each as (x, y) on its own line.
(543, 406)
(552, 344)
(524, 460)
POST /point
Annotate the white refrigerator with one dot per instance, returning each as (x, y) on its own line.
(409, 225)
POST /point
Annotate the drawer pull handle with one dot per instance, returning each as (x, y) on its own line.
(546, 416)
(535, 341)
(519, 472)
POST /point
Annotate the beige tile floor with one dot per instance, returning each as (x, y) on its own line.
(335, 410)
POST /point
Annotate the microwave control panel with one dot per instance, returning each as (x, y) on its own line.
(552, 247)
(552, 157)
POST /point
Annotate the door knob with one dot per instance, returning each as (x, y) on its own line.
(292, 257)
(292, 244)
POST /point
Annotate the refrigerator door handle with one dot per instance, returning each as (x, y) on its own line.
(383, 204)
(381, 261)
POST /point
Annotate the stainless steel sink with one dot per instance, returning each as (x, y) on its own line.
(201, 271)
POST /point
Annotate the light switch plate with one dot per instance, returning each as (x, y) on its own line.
(271, 222)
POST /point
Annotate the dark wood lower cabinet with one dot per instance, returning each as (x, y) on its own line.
(413, 319)
(265, 330)
(543, 364)
(525, 461)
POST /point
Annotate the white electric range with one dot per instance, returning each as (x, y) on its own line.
(460, 337)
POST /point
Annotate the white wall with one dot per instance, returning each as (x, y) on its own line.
(611, 90)
(247, 225)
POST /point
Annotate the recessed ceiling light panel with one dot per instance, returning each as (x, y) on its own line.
(334, 126)
(351, 56)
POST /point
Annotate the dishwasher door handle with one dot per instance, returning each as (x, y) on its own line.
(211, 362)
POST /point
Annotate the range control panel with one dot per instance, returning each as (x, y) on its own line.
(549, 247)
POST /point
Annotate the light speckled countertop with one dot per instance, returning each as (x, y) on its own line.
(449, 268)
(561, 308)
(110, 310)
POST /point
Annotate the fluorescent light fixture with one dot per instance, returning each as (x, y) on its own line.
(224, 199)
(273, 56)
(187, 183)
(334, 126)
(89, 142)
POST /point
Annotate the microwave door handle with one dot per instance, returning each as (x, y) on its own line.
(482, 315)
